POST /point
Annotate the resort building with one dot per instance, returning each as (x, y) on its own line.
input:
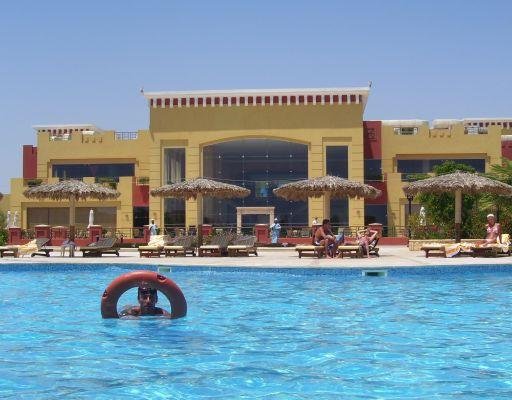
(258, 139)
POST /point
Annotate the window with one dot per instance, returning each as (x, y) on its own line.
(376, 213)
(426, 166)
(260, 165)
(337, 165)
(406, 130)
(174, 165)
(79, 171)
(174, 171)
(372, 170)
(59, 216)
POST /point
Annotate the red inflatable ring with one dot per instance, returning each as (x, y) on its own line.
(134, 279)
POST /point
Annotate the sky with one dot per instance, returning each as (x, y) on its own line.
(85, 62)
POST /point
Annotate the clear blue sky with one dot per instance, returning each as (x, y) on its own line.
(84, 62)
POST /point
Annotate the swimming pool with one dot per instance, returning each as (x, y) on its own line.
(249, 334)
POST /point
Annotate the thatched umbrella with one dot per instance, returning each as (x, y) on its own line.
(196, 189)
(458, 183)
(331, 187)
(71, 190)
(193, 188)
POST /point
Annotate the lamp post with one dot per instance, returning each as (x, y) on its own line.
(409, 199)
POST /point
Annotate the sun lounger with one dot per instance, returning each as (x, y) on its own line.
(19, 250)
(155, 246)
(374, 250)
(437, 249)
(217, 247)
(243, 245)
(494, 249)
(102, 246)
(42, 250)
(316, 251)
(182, 245)
(354, 250)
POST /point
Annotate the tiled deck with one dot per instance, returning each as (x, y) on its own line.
(391, 256)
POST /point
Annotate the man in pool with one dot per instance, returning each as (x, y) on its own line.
(147, 297)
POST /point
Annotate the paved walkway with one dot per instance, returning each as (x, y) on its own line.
(391, 256)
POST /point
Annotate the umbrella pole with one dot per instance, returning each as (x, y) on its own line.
(72, 218)
(327, 205)
(458, 214)
(199, 222)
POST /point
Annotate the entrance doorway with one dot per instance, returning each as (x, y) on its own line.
(269, 211)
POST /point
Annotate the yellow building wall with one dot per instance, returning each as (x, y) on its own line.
(100, 147)
(450, 143)
(87, 149)
(317, 126)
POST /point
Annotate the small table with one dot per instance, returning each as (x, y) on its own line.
(70, 247)
(9, 251)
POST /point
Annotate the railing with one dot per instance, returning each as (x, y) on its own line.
(33, 182)
(127, 135)
(60, 137)
(287, 230)
(475, 130)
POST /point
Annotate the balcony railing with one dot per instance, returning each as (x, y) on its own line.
(60, 137)
(127, 135)
(475, 130)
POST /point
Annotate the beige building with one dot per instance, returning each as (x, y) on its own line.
(259, 139)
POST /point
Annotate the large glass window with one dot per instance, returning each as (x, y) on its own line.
(372, 170)
(79, 171)
(174, 165)
(260, 165)
(174, 171)
(337, 165)
(59, 216)
(426, 166)
(376, 213)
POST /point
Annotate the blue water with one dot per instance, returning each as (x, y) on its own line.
(260, 335)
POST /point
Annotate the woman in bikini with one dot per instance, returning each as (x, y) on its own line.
(493, 231)
(365, 237)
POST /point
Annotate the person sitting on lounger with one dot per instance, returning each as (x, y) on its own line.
(147, 297)
(493, 229)
(324, 237)
(364, 238)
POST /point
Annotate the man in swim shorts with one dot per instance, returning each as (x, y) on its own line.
(324, 237)
(147, 297)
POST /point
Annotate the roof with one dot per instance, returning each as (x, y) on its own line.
(241, 97)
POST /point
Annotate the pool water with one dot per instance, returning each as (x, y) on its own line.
(259, 335)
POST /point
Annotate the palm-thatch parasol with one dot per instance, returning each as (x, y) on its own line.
(193, 188)
(196, 189)
(73, 191)
(458, 183)
(328, 186)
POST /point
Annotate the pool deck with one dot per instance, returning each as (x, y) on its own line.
(391, 257)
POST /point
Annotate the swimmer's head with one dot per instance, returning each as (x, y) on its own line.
(147, 296)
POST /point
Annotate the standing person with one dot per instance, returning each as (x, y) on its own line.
(152, 228)
(275, 231)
